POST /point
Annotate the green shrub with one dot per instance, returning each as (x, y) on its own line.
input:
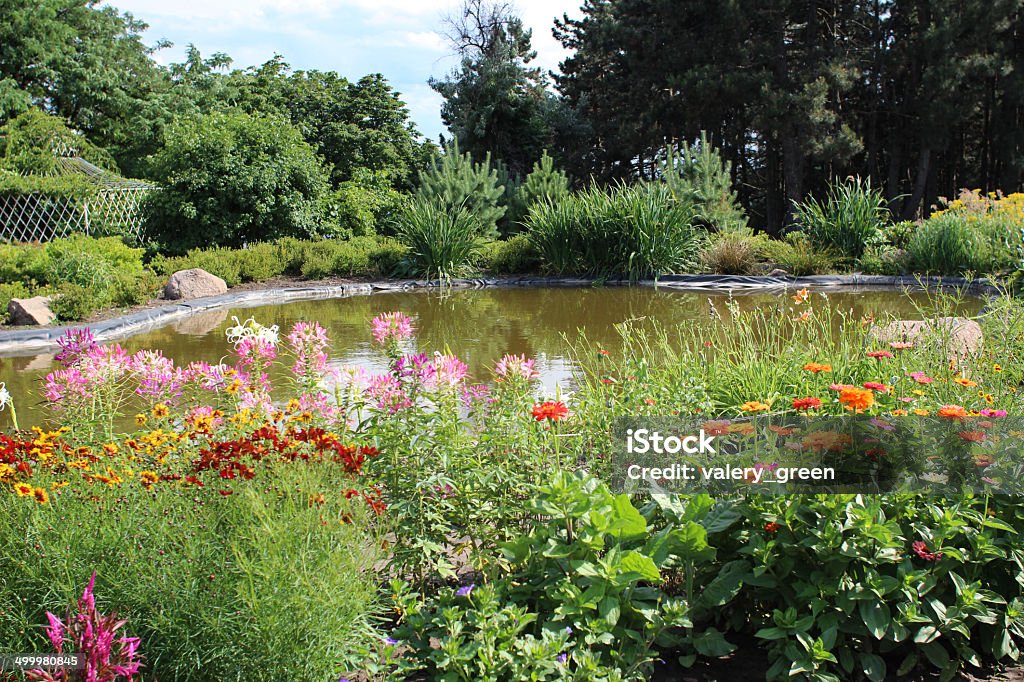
(360, 205)
(443, 240)
(511, 256)
(949, 244)
(733, 253)
(222, 262)
(131, 289)
(386, 256)
(798, 256)
(74, 302)
(851, 219)
(262, 261)
(637, 231)
(23, 263)
(230, 179)
(458, 183)
(697, 175)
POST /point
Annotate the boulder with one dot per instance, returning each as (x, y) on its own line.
(778, 272)
(964, 337)
(195, 283)
(25, 311)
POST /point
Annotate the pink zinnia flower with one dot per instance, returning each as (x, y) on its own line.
(921, 377)
(993, 413)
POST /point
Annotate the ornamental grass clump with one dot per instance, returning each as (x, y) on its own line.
(849, 220)
(443, 240)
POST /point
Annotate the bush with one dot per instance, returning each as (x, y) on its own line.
(458, 183)
(75, 301)
(797, 256)
(230, 179)
(544, 183)
(359, 206)
(972, 234)
(222, 262)
(511, 256)
(697, 175)
(850, 220)
(443, 240)
(733, 253)
(637, 231)
(386, 256)
(26, 263)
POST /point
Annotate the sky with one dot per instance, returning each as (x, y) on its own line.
(397, 38)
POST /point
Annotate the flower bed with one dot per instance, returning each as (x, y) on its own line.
(415, 522)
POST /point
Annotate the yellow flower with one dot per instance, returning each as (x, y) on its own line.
(148, 478)
(918, 393)
(41, 496)
(997, 368)
(57, 485)
(6, 470)
(160, 411)
(965, 382)
(921, 413)
(23, 489)
(899, 413)
(754, 406)
(234, 387)
(140, 419)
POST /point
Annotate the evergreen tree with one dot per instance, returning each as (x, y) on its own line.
(458, 182)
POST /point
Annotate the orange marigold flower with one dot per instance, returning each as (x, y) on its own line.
(754, 406)
(551, 410)
(856, 399)
(781, 430)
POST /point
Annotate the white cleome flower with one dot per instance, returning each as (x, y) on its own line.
(5, 396)
(251, 329)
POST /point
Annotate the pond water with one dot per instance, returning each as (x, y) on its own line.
(478, 325)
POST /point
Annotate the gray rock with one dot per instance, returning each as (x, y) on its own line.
(35, 311)
(778, 272)
(195, 283)
(962, 336)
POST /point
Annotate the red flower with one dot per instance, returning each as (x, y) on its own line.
(920, 548)
(806, 404)
(555, 411)
(879, 354)
(225, 493)
(875, 386)
(772, 527)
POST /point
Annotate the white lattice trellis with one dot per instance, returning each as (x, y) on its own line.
(40, 216)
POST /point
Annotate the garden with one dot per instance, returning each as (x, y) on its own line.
(796, 245)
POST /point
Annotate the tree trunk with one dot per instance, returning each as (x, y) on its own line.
(910, 208)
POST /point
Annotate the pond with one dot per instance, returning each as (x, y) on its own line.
(478, 325)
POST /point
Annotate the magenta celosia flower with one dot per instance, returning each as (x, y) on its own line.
(107, 656)
(515, 367)
(392, 327)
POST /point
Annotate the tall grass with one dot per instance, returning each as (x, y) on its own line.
(638, 231)
(954, 243)
(259, 586)
(849, 220)
(443, 240)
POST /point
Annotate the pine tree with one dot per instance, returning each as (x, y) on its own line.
(457, 181)
(697, 174)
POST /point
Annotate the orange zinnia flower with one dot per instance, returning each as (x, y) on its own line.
(952, 412)
(856, 399)
(817, 367)
(806, 404)
(754, 406)
(555, 411)
(965, 382)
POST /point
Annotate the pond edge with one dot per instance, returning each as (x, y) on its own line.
(116, 328)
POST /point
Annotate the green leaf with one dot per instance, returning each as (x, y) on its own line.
(712, 643)
(927, 633)
(626, 523)
(936, 654)
(876, 617)
(610, 610)
(908, 664)
(725, 585)
(873, 667)
(720, 518)
(635, 562)
(692, 543)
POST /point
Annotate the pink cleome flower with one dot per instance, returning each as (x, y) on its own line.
(393, 326)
